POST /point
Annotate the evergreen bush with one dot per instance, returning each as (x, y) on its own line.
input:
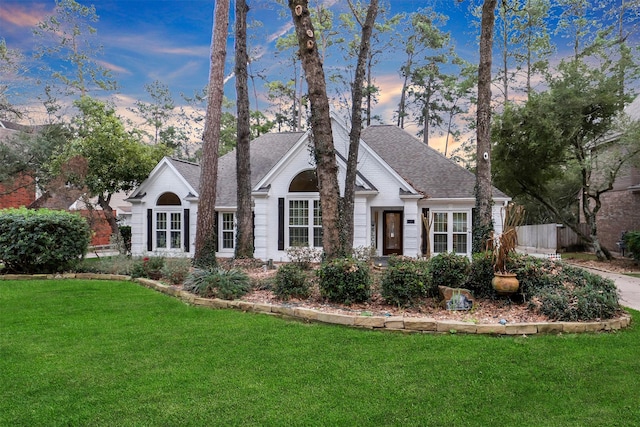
(345, 281)
(447, 269)
(632, 243)
(291, 281)
(405, 282)
(480, 275)
(218, 283)
(42, 241)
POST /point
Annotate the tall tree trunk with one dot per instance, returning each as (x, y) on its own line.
(244, 235)
(484, 197)
(205, 254)
(356, 126)
(402, 105)
(108, 213)
(326, 165)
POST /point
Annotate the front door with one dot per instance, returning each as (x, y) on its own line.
(392, 231)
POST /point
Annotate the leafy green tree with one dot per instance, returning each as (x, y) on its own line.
(69, 37)
(105, 157)
(558, 135)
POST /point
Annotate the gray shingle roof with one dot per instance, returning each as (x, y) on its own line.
(266, 151)
(426, 169)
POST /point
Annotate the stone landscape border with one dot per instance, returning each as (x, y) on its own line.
(384, 323)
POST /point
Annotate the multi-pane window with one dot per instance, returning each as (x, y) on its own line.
(317, 224)
(450, 232)
(298, 223)
(161, 230)
(168, 230)
(305, 222)
(176, 230)
(228, 230)
(440, 235)
(460, 233)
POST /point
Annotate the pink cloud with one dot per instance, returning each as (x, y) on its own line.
(21, 16)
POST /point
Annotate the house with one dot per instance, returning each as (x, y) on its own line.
(620, 209)
(399, 180)
(21, 190)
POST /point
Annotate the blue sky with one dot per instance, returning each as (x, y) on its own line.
(169, 41)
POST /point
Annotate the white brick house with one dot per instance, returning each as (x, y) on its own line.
(399, 180)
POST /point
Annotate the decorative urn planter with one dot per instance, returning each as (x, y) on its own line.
(505, 283)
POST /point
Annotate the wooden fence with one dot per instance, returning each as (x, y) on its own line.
(549, 237)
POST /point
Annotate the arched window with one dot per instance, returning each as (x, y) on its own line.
(304, 182)
(168, 222)
(169, 199)
(304, 214)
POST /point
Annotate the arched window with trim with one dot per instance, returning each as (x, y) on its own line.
(168, 222)
(304, 213)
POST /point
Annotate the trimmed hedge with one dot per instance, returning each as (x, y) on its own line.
(448, 269)
(345, 281)
(405, 282)
(42, 241)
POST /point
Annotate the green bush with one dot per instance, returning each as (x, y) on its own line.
(577, 295)
(405, 282)
(149, 267)
(345, 280)
(218, 283)
(42, 241)
(291, 281)
(119, 264)
(447, 269)
(632, 242)
(480, 275)
(176, 270)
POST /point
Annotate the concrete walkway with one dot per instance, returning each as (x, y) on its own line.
(628, 286)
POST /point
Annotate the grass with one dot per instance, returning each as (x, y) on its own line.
(76, 352)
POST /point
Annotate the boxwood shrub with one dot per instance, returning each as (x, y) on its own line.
(42, 241)
(405, 282)
(291, 281)
(345, 281)
(447, 269)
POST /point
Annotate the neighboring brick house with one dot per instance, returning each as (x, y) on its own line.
(621, 206)
(22, 190)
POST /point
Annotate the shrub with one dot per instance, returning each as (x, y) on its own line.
(150, 267)
(480, 275)
(218, 283)
(42, 241)
(404, 283)
(447, 269)
(291, 282)
(632, 242)
(176, 270)
(364, 253)
(303, 256)
(125, 233)
(345, 280)
(567, 293)
(119, 264)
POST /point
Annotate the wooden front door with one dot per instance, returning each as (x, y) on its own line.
(392, 231)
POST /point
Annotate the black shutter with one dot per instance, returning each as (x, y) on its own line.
(187, 230)
(215, 230)
(281, 224)
(149, 230)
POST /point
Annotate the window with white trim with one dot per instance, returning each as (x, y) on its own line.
(168, 222)
(451, 232)
(228, 230)
(305, 222)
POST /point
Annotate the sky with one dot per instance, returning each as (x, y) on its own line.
(169, 41)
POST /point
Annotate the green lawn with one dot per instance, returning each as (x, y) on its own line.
(114, 353)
